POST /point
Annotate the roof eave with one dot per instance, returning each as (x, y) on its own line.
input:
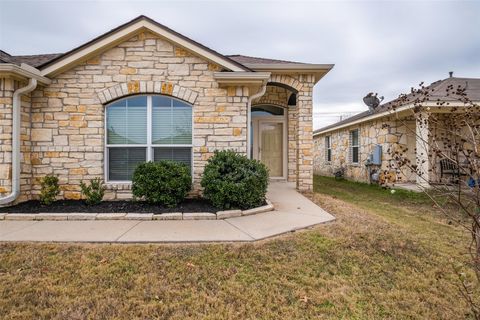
(127, 30)
(431, 104)
(301, 67)
(23, 71)
(241, 77)
(318, 70)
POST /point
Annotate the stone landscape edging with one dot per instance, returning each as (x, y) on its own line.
(219, 215)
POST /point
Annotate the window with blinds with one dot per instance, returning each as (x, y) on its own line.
(354, 146)
(328, 149)
(146, 128)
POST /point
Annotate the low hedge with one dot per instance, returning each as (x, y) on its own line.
(231, 180)
(166, 182)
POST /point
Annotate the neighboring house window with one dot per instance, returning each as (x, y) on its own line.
(354, 146)
(328, 149)
(146, 128)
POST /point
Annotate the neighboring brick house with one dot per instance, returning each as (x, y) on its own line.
(143, 92)
(349, 143)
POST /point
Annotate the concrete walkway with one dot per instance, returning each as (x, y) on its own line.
(292, 212)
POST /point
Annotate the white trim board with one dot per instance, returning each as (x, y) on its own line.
(433, 105)
(128, 31)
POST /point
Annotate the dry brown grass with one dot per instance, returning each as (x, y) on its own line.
(369, 264)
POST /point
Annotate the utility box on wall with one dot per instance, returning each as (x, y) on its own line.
(377, 155)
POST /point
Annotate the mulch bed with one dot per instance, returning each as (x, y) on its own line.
(79, 206)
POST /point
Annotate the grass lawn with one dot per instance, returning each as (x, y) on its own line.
(385, 257)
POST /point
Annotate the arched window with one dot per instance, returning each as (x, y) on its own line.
(267, 110)
(146, 128)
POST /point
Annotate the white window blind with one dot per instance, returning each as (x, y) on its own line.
(354, 146)
(123, 161)
(129, 122)
(171, 122)
(328, 149)
(183, 155)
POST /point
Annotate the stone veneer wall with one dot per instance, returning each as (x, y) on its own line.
(304, 132)
(68, 115)
(389, 133)
(279, 96)
(299, 119)
(63, 122)
(7, 88)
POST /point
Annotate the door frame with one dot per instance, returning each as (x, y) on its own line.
(256, 125)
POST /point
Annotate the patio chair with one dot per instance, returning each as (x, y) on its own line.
(448, 166)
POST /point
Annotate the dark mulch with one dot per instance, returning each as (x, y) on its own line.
(67, 206)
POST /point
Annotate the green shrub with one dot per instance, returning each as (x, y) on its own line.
(49, 189)
(231, 180)
(94, 192)
(165, 182)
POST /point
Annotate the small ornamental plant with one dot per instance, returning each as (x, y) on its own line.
(49, 189)
(231, 180)
(165, 183)
(94, 192)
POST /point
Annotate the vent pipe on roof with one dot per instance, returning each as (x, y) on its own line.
(451, 74)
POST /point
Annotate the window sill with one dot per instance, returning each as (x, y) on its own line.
(118, 185)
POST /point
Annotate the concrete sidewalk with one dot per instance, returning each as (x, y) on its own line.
(292, 212)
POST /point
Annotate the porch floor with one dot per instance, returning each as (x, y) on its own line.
(292, 212)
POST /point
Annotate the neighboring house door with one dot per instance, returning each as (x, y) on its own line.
(270, 139)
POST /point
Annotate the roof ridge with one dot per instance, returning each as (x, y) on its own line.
(137, 19)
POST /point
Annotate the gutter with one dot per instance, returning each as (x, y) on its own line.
(241, 77)
(431, 104)
(16, 106)
(299, 67)
(24, 71)
(318, 70)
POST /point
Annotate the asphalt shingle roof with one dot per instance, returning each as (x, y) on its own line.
(32, 60)
(42, 60)
(256, 60)
(438, 92)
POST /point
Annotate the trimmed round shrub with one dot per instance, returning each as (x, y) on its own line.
(231, 180)
(166, 182)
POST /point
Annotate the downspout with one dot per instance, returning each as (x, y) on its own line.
(16, 117)
(260, 93)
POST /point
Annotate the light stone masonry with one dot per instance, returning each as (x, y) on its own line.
(63, 123)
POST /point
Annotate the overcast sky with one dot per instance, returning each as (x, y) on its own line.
(384, 47)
